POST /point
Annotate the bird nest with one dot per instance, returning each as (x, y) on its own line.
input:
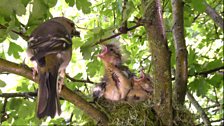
(129, 114)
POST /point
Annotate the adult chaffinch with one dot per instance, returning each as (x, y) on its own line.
(50, 49)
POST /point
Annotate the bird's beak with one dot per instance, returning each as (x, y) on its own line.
(75, 33)
(142, 76)
(104, 51)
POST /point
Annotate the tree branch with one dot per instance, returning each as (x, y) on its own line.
(67, 94)
(3, 112)
(123, 28)
(21, 94)
(162, 96)
(208, 71)
(16, 32)
(218, 120)
(181, 74)
(214, 15)
(117, 34)
(81, 81)
(199, 109)
(205, 73)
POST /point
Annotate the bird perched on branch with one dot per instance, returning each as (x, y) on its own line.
(116, 82)
(142, 88)
(50, 49)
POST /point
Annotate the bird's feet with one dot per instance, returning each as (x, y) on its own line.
(60, 83)
(34, 72)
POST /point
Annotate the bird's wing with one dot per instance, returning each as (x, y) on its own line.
(43, 46)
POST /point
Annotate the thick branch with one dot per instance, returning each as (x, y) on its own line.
(19, 69)
(78, 101)
(153, 23)
(214, 15)
(181, 52)
(67, 94)
(199, 109)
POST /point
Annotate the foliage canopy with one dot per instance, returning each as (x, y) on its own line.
(97, 20)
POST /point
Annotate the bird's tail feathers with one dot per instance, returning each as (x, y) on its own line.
(48, 99)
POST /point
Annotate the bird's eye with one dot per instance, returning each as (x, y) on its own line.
(111, 49)
(72, 24)
(136, 97)
(148, 79)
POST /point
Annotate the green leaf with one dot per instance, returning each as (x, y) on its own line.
(3, 35)
(213, 64)
(60, 121)
(87, 48)
(2, 83)
(198, 5)
(77, 42)
(50, 3)
(83, 5)
(2, 20)
(14, 50)
(79, 75)
(130, 8)
(20, 121)
(200, 86)
(5, 123)
(86, 52)
(10, 7)
(23, 87)
(27, 105)
(12, 26)
(39, 12)
(216, 80)
(91, 67)
(70, 2)
(25, 2)
(15, 104)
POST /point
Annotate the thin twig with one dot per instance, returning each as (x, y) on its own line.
(208, 71)
(16, 32)
(81, 81)
(70, 119)
(199, 109)
(3, 112)
(205, 73)
(219, 120)
(21, 94)
(117, 34)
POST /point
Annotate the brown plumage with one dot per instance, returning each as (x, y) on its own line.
(116, 82)
(50, 48)
(142, 88)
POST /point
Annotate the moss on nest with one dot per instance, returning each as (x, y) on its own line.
(129, 114)
(183, 117)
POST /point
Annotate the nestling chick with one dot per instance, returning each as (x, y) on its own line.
(116, 83)
(142, 88)
(111, 54)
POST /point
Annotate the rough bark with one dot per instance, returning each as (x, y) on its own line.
(181, 74)
(153, 23)
(67, 94)
(214, 15)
